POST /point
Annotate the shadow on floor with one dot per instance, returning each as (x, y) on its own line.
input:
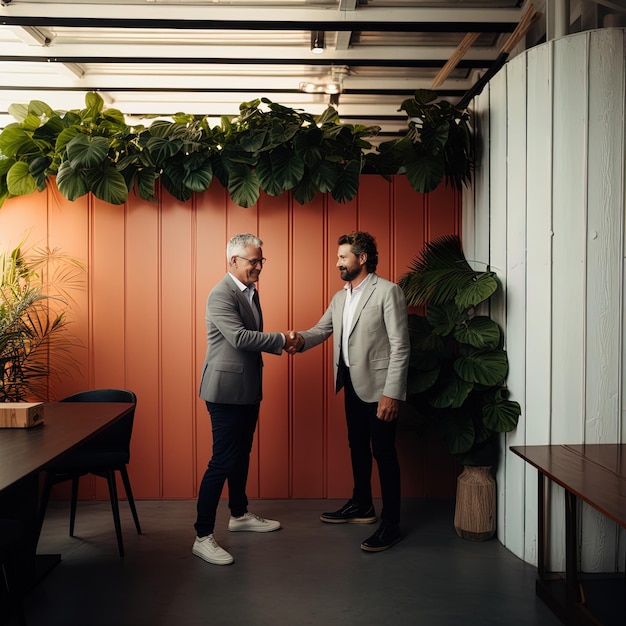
(306, 573)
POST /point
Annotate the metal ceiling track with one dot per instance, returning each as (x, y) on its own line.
(395, 27)
(412, 19)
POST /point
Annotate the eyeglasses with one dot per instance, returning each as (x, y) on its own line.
(254, 262)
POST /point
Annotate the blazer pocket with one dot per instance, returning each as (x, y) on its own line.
(229, 366)
(380, 364)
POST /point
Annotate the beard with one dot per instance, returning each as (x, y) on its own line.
(349, 275)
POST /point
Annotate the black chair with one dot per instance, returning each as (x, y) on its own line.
(102, 455)
(11, 534)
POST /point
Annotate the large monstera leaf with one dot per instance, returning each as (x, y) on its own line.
(480, 332)
(72, 182)
(20, 181)
(347, 183)
(85, 152)
(488, 368)
(243, 185)
(424, 171)
(451, 393)
(108, 185)
(501, 414)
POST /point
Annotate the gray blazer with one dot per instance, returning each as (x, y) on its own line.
(232, 371)
(379, 345)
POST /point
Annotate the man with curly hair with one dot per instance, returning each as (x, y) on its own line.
(369, 323)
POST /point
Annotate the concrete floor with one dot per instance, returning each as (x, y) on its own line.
(306, 573)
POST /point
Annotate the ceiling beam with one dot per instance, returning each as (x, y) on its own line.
(353, 62)
(32, 36)
(151, 53)
(458, 26)
(457, 19)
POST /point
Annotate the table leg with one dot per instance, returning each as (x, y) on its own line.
(571, 550)
(541, 525)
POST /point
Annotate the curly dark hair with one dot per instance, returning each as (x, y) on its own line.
(360, 242)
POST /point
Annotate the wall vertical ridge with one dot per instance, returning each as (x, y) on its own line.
(141, 319)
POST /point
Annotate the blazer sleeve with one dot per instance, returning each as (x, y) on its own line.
(397, 325)
(324, 328)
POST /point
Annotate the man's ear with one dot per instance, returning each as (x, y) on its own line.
(363, 258)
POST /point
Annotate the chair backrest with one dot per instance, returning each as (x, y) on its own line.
(116, 436)
(102, 395)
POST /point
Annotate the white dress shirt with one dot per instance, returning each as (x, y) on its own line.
(248, 291)
(353, 295)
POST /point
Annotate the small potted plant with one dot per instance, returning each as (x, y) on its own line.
(34, 288)
(458, 371)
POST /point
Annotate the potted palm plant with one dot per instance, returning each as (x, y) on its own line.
(458, 371)
(34, 294)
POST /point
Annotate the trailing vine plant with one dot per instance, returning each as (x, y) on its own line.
(267, 147)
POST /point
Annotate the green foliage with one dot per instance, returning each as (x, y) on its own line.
(34, 291)
(438, 145)
(267, 147)
(458, 368)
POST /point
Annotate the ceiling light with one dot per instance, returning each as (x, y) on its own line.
(317, 41)
(312, 87)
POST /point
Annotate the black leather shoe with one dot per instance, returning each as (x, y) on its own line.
(350, 513)
(387, 534)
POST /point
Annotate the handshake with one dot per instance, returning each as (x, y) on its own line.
(293, 342)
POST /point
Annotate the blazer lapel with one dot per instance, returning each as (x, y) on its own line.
(338, 314)
(247, 316)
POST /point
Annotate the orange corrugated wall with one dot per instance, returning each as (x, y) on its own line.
(140, 320)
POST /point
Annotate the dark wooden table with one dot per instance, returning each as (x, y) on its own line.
(26, 451)
(595, 474)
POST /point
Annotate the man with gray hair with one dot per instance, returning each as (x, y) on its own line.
(231, 386)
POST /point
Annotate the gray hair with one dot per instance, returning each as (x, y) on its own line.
(238, 244)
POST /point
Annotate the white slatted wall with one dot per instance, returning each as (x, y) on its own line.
(546, 211)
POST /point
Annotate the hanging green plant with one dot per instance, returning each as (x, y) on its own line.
(438, 145)
(267, 147)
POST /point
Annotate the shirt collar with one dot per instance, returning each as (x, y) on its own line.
(241, 286)
(349, 288)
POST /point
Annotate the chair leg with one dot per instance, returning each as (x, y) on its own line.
(129, 495)
(110, 475)
(75, 480)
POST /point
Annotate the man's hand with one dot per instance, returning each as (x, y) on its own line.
(388, 409)
(293, 342)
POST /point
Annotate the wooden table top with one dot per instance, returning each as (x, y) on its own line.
(66, 425)
(610, 456)
(598, 479)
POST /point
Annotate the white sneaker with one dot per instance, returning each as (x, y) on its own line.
(209, 550)
(252, 523)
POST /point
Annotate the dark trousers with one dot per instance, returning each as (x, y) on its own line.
(233, 428)
(369, 436)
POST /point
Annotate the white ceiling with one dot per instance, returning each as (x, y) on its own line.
(205, 57)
